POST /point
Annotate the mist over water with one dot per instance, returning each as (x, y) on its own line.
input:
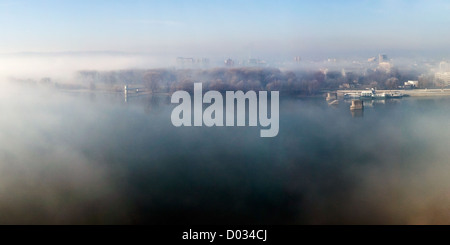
(91, 158)
(86, 135)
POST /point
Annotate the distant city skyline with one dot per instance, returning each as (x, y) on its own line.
(226, 28)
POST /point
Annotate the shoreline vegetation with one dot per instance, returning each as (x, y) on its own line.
(300, 83)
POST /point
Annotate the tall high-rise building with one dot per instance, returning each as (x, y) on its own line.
(382, 58)
(443, 74)
(444, 66)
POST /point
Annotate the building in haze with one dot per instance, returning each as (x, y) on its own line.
(382, 58)
(229, 62)
(184, 61)
(384, 66)
(443, 75)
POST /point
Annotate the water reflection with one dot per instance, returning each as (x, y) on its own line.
(357, 113)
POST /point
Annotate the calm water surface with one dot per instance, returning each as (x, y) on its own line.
(91, 158)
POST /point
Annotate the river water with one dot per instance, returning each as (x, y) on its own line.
(92, 158)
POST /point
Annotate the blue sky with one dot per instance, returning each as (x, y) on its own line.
(223, 27)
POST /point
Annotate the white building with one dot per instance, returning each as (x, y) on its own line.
(413, 84)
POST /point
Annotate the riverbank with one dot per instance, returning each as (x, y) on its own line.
(412, 92)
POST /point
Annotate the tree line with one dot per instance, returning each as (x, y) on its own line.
(247, 78)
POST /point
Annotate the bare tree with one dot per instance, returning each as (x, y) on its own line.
(152, 81)
(392, 83)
